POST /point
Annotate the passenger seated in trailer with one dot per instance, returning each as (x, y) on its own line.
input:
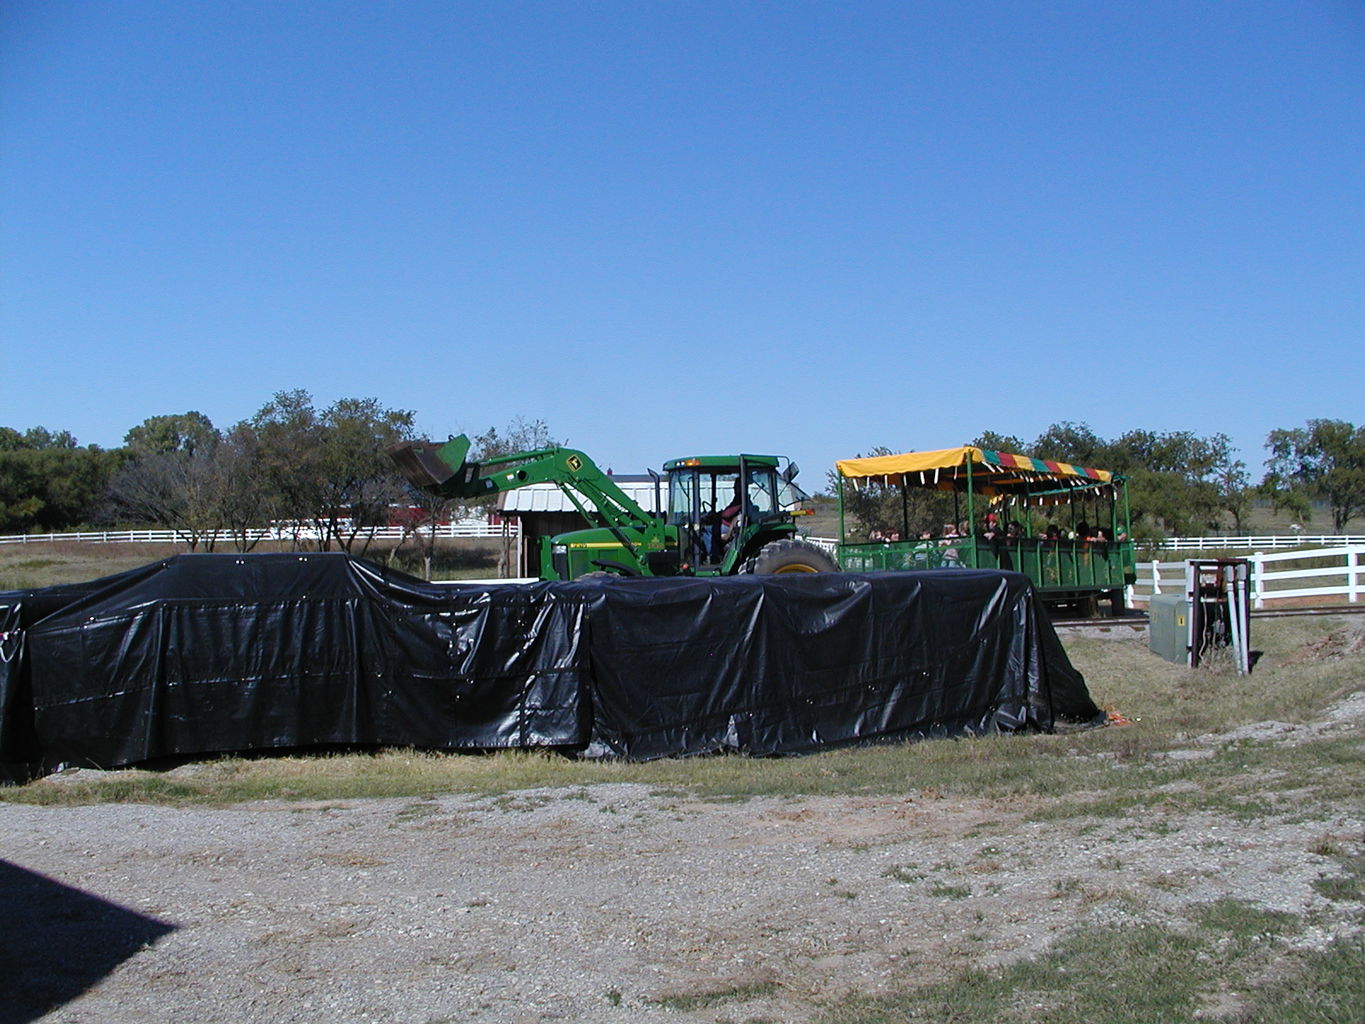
(1052, 535)
(952, 558)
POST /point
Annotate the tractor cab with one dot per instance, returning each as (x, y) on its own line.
(723, 506)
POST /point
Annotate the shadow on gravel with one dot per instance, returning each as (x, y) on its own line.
(56, 942)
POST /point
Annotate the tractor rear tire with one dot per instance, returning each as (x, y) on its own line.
(784, 556)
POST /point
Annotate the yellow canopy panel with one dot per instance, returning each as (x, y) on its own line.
(946, 468)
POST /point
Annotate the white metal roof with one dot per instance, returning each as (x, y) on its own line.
(549, 498)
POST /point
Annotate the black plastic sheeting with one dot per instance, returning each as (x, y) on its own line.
(231, 653)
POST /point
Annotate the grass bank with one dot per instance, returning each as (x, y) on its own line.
(30, 566)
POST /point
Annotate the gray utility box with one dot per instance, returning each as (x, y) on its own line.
(1168, 627)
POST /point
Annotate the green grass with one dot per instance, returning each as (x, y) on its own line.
(30, 566)
(1326, 987)
(1347, 887)
(741, 992)
(1231, 964)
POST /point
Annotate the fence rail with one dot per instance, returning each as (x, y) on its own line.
(1345, 569)
(1345, 555)
(262, 534)
(468, 529)
(1252, 543)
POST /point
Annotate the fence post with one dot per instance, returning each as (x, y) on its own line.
(1352, 575)
(1156, 576)
(1257, 583)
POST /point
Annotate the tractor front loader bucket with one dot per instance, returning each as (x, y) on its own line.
(431, 466)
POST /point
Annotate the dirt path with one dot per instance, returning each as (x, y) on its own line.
(604, 904)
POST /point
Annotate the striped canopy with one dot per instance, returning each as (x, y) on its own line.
(992, 473)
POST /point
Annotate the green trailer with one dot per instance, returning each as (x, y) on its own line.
(1066, 527)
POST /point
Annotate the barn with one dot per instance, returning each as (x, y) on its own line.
(543, 510)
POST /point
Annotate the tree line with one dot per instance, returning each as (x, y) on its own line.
(324, 473)
(319, 473)
(1179, 483)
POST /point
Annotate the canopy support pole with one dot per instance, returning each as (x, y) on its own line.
(905, 509)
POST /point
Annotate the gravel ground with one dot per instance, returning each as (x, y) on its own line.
(611, 903)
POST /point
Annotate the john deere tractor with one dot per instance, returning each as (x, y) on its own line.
(725, 514)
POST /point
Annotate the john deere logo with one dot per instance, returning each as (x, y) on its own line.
(575, 463)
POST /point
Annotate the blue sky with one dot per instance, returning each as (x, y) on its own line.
(671, 227)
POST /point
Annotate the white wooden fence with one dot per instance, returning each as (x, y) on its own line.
(264, 533)
(1256, 543)
(1331, 573)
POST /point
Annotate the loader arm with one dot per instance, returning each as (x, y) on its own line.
(445, 470)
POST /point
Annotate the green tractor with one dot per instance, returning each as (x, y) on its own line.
(725, 514)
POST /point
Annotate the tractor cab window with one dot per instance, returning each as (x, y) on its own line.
(789, 495)
(720, 496)
(682, 495)
(699, 495)
(702, 495)
(763, 494)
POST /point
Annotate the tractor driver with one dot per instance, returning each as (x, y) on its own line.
(720, 525)
(730, 512)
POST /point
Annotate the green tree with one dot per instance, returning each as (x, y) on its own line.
(177, 490)
(520, 435)
(993, 442)
(244, 499)
(1071, 442)
(1230, 479)
(182, 432)
(1178, 482)
(49, 483)
(172, 477)
(359, 480)
(285, 437)
(874, 508)
(326, 473)
(1323, 461)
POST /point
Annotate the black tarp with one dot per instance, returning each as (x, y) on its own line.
(216, 653)
(784, 664)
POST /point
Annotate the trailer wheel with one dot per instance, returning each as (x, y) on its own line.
(783, 556)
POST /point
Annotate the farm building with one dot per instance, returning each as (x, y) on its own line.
(543, 510)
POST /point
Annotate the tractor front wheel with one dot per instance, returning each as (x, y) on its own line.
(783, 556)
